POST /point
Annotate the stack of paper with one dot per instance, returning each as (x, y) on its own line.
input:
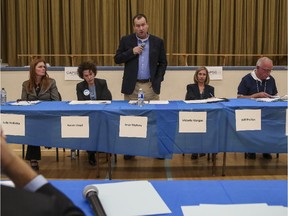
(208, 100)
(234, 209)
(24, 103)
(131, 198)
(75, 102)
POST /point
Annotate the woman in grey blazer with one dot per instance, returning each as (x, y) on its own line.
(38, 87)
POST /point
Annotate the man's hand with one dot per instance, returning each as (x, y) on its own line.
(138, 50)
(13, 166)
(261, 95)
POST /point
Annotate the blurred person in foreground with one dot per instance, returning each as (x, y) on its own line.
(32, 195)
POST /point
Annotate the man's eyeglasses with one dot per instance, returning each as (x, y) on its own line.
(266, 69)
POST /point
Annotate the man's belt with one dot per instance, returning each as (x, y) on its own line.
(143, 80)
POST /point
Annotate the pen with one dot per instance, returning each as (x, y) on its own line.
(211, 94)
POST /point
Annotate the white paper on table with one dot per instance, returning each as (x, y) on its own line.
(234, 209)
(208, 100)
(195, 101)
(131, 198)
(24, 103)
(75, 102)
(272, 99)
(214, 99)
(158, 102)
(135, 102)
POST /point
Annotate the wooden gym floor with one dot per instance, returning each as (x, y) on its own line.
(179, 168)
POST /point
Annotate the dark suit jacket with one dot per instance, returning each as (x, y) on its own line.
(193, 92)
(157, 58)
(102, 91)
(49, 94)
(46, 201)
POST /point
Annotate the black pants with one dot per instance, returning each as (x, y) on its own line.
(33, 153)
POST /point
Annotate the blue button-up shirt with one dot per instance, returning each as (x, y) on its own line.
(143, 65)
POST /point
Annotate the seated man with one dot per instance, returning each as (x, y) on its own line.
(258, 84)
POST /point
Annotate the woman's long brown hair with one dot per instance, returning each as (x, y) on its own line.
(32, 80)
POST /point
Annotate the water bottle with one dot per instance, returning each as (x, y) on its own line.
(3, 96)
(140, 101)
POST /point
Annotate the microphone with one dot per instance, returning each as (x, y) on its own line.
(143, 45)
(90, 193)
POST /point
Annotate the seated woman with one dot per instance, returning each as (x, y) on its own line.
(38, 87)
(91, 89)
(199, 90)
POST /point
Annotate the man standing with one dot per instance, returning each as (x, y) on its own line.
(145, 61)
(258, 84)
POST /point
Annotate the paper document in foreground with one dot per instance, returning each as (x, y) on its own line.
(234, 209)
(24, 103)
(74, 102)
(131, 198)
(7, 183)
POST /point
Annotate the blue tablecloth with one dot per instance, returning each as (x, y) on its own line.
(43, 127)
(270, 139)
(179, 193)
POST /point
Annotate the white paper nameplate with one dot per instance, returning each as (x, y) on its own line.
(70, 73)
(286, 122)
(248, 120)
(13, 124)
(133, 126)
(215, 73)
(192, 122)
(75, 126)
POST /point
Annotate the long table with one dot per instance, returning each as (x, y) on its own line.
(43, 127)
(180, 193)
(272, 138)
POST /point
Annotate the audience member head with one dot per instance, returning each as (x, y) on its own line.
(87, 71)
(264, 67)
(202, 76)
(140, 26)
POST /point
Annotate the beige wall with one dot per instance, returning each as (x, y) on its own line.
(173, 87)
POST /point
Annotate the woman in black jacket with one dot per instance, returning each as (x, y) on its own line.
(199, 90)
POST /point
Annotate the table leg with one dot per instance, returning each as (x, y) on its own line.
(224, 164)
(98, 162)
(214, 164)
(109, 167)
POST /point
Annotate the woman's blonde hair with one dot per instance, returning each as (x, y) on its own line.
(207, 80)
